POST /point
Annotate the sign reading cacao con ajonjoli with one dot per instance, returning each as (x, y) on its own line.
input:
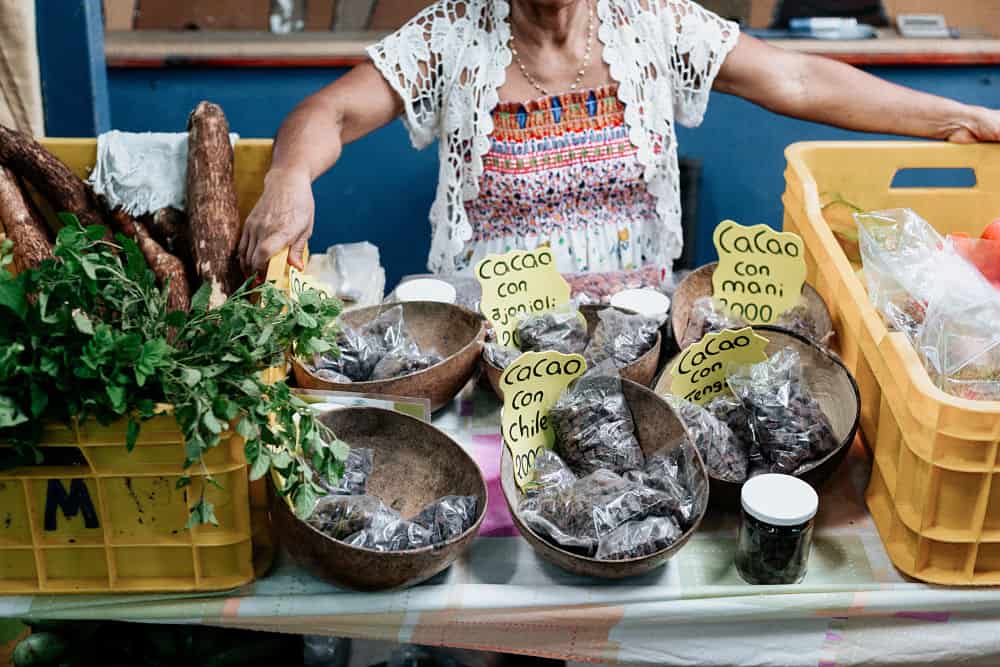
(699, 375)
(519, 283)
(760, 272)
(531, 386)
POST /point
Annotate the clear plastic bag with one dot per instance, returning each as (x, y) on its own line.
(786, 421)
(622, 337)
(398, 535)
(551, 472)
(960, 340)
(674, 472)
(448, 517)
(322, 651)
(501, 356)
(562, 330)
(359, 271)
(708, 315)
(725, 456)
(341, 516)
(729, 410)
(404, 361)
(357, 468)
(356, 360)
(638, 538)
(328, 375)
(598, 288)
(593, 424)
(902, 256)
(578, 515)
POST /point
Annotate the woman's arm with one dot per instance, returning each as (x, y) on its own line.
(826, 91)
(309, 143)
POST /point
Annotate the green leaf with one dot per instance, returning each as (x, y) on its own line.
(117, 395)
(89, 268)
(176, 319)
(12, 297)
(260, 465)
(183, 482)
(10, 413)
(94, 232)
(203, 512)
(211, 423)
(305, 499)
(69, 220)
(190, 376)
(200, 300)
(225, 409)
(281, 459)
(214, 482)
(132, 435)
(82, 322)
(247, 429)
(39, 400)
(339, 449)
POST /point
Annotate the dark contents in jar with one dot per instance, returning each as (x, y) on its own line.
(772, 555)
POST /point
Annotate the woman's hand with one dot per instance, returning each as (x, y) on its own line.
(282, 218)
(983, 125)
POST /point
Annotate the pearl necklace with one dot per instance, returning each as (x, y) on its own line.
(583, 67)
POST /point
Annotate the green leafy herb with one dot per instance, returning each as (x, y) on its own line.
(87, 335)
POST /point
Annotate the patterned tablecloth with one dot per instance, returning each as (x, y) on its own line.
(853, 608)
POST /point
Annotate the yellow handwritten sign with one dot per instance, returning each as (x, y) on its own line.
(519, 282)
(531, 386)
(760, 272)
(699, 375)
(299, 281)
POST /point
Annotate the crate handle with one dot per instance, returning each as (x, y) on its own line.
(952, 178)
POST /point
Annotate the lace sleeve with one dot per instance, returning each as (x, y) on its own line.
(411, 66)
(700, 43)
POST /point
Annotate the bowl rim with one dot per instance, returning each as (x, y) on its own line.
(473, 529)
(831, 356)
(677, 544)
(477, 339)
(599, 307)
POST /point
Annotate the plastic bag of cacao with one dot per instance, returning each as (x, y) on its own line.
(448, 517)
(398, 535)
(593, 424)
(622, 337)
(562, 330)
(357, 357)
(786, 421)
(675, 472)
(577, 516)
(501, 356)
(725, 456)
(636, 539)
(708, 315)
(342, 516)
(357, 468)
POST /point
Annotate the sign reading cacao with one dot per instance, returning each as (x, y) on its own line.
(516, 284)
(699, 375)
(531, 386)
(760, 272)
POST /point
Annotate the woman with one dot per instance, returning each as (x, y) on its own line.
(556, 121)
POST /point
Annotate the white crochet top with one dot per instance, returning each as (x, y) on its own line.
(448, 62)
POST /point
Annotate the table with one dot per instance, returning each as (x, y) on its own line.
(853, 608)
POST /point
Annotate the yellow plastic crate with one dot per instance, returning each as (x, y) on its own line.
(935, 487)
(117, 524)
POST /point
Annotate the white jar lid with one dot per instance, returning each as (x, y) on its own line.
(644, 301)
(779, 500)
(426, 289)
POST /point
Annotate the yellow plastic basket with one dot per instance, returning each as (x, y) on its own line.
(935, 487)
(117, 523)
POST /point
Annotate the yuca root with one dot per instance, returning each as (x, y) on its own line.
(213, 214)
(22, 224)
(169, 270)
(54, 180)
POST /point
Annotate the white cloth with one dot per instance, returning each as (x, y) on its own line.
(448, 62)
(142, 172)
(20, 82)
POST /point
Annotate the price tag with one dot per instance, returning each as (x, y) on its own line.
(700, 373)
(299, 281)
(531, 386)
(519, 282)
(760, 272)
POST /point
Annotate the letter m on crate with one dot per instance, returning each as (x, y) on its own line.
(75, 500)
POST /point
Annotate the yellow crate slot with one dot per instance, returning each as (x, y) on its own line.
(936, 456)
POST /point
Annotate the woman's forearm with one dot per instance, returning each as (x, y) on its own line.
(826, 91)
(311, 138)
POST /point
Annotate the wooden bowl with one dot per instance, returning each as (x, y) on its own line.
(454, 332)
(656, 427)
(698, 284)
(642, 370)
(414, 465)
(833, 387)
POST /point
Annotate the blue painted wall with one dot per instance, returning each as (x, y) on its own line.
(382, 189)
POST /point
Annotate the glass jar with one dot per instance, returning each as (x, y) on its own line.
(776, 529)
